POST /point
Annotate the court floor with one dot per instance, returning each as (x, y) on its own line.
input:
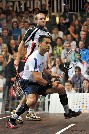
(50, 124)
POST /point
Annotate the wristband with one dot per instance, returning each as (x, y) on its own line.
(49, 83)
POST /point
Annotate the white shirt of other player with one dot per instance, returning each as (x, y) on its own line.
(37, 34)
(35, 62)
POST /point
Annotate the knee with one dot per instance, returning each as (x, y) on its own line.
(31, 100)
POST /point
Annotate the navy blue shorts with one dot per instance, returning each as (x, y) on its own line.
(33, 88)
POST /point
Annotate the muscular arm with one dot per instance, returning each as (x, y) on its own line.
(20, 50)
(37, 78)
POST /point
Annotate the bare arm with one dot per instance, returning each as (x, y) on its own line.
(37, 78)
(20, 49)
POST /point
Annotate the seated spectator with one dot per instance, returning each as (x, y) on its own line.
(62, 26)
(67, 55)
(14, 46)
(25, 28)
(77, 62)
(36, 11)
(77, 27)
(2, 72)
(12, 71)
(44, 10)
(72, 31)
(57, 50)
(56, 33)
(77, 79)
(14, 16)
(2, 17)
(83, 51)
(9, 22)
(71, 41)
(31, 19)
(68, 87)
(84, 12)
(86, 75)
(1, 42)
(68, 16)
(7, 55)
(0, 29)
(85, 86)
(83, 37)
(19, 20)
(6, 38)
(15, 32)
(58, 69)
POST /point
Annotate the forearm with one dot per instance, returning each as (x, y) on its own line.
(20, 49)
(37, 78)
(41, 81)
(46, 71)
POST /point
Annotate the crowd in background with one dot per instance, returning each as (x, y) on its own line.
(69, 53)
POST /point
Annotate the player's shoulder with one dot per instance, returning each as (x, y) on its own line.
(31, 29)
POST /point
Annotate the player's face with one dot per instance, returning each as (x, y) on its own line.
(41, 20)
(45, 45)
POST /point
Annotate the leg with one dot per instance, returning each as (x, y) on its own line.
(31, 115)
(60, 89)
(30, 100)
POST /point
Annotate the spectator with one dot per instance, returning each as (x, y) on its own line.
(20, 21)
(62, 26)
(7, 55)
(36, 11)
(68, 87)
(85, 86)
(58, 69)
(26, 16)
(44, 10)
(14, 15)
(67, 54)
(15, 32)
(84, 12)
(2, 17)
(77, 62)
(25, 28)
(86, 75)
(56, 33)
(6, 38)
(73, 32)
(71, 41)
(14, 46)
(57, 50)
(9, 22)
(2, 72)
(1, 42)
(83, 37)
(77, 27)
(84, 52)
(11, 70)
(69, 17)
(77, 79)
(0, 28)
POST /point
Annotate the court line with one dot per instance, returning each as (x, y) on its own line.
(64, 129)
(4, 117)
